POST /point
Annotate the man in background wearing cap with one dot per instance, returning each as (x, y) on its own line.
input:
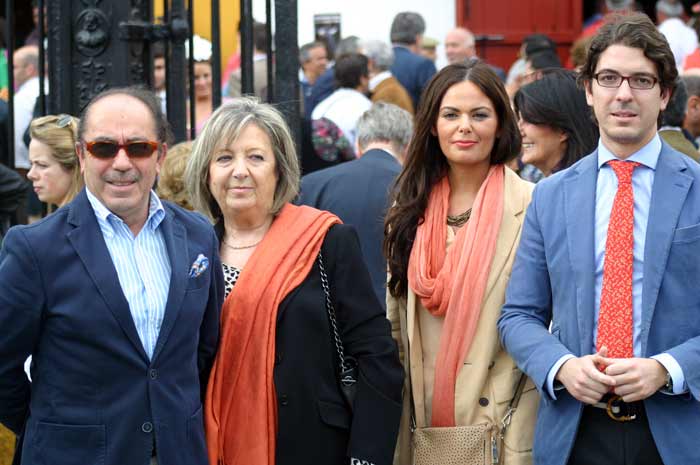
(429, 48)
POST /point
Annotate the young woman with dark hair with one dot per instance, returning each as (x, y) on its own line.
(555, 122)
(450, 242)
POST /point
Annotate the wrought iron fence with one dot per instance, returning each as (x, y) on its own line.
(92, 45)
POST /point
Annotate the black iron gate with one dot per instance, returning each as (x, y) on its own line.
(97, 44)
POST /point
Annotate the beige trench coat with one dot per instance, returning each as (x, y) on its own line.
(488, 375)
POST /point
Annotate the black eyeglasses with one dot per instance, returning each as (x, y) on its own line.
(105, 149)
(638, 81)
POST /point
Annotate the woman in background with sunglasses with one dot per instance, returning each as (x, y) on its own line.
(55, 170)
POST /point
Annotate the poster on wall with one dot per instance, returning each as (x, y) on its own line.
(327, 29)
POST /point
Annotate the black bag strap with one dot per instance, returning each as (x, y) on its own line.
(513, 405)
(345, 366)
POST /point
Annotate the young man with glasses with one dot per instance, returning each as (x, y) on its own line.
(602, 305)
(116, 297)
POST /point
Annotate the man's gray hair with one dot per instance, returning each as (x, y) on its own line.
(692, 84)
(672, 9)
(305, 51)
(406, 28)
(347, 46)
(387, 123)
(617, 5)
(380, 53)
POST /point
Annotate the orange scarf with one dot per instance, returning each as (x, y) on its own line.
(453, 284)
(241, 404)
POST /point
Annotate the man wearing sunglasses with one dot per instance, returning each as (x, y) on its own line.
(602, 305)
(116, 297)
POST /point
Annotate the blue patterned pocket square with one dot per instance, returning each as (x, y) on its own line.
(199, 265)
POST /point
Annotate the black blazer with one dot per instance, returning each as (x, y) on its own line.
(358, 193)
(315, 425)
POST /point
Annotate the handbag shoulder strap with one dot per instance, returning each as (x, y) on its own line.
(513, 405)
(518, 391)
(331, 315)
(413, 424)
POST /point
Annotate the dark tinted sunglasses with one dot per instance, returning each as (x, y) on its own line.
(105, 149)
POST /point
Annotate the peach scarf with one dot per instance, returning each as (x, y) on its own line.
(241, 404)
(453, 284)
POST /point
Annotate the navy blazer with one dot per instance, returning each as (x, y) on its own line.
(358, 193)
(413, 71)
(553, 280)
(96, 398)
(322, 88)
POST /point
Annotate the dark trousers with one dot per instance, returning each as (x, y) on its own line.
(604, 441)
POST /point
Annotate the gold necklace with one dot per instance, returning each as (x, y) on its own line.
(241, 247)
(459, 220)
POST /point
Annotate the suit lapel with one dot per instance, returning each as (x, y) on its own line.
(176, 242)
(668, 195)
(579, 210)
(90, 246)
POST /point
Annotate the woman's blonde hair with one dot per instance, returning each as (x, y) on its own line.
(171, 181)
(221, 130)
(60, 133)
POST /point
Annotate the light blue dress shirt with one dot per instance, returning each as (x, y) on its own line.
(142, 264)
(606, 189)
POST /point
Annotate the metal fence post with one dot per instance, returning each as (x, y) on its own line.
(287, 91)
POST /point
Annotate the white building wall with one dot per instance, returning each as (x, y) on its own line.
(371, 19)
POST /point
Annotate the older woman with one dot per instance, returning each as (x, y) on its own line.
(55, 171)
(273, 395)
(555, 122)
(450, 245)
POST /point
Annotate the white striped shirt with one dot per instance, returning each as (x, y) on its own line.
(142, 264)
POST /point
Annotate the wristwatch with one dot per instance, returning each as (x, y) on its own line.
(669, 383)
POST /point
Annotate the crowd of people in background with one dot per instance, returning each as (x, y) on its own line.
(470, 263)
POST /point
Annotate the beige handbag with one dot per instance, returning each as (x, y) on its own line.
(458, 445)
(462, 445)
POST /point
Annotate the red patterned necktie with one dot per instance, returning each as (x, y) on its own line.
(615, 316)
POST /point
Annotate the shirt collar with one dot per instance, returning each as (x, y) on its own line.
(647, 155)
(29, 84)
(107, 219)
(378, 79)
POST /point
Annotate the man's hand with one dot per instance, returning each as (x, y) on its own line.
(584, 380)
(635, 378)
